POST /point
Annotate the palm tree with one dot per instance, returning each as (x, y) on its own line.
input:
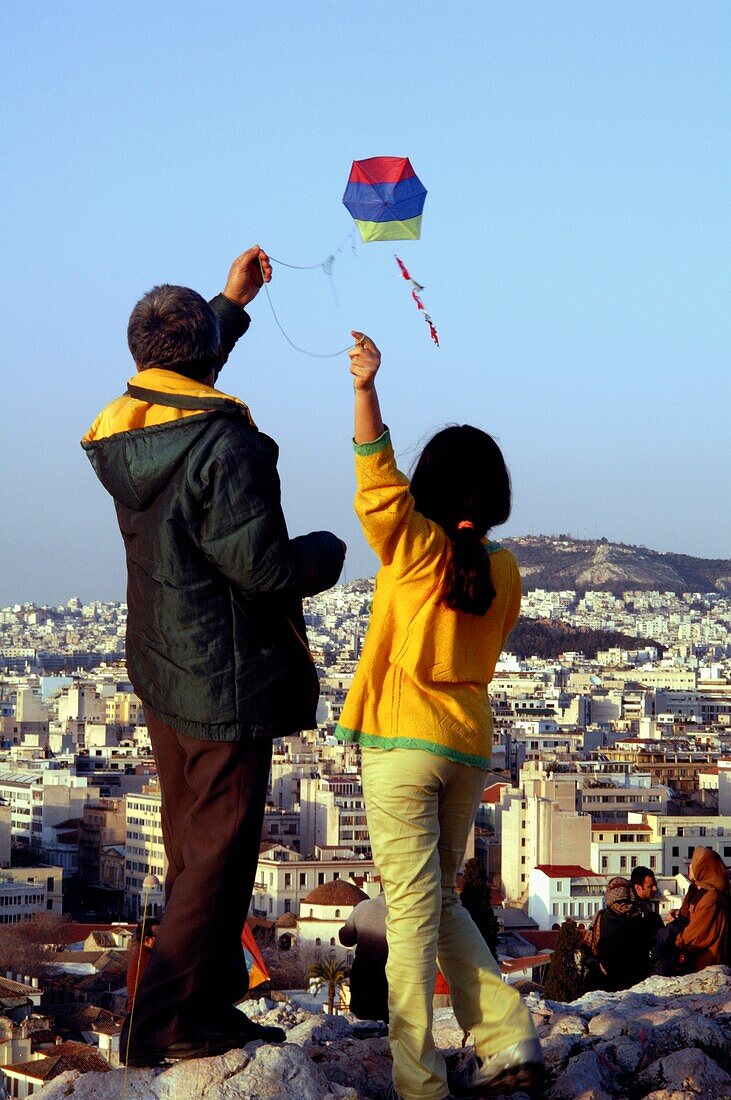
(331, 972)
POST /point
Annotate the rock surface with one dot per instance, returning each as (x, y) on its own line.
(665, 1039)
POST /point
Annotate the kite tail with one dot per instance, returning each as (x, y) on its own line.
(416, 295)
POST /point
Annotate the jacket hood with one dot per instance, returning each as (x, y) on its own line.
(707, 869)
(138, 440)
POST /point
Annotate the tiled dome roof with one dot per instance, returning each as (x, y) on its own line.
(337, 892)
(287, 920)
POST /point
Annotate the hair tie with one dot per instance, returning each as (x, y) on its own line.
(465, 525)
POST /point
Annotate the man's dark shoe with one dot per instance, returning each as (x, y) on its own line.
(517, 1068)
(247, 1030)
(205, 1045)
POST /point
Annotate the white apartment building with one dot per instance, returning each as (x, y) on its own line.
(332, 815)
(39, 801)
(678, 838)
(284, 878)
(80, 702)
(543, 738)
(615, 797)
(561, 891)
(724, 787)
(617, 848)
(42, 880)
(20, 900)
(144, 851)
(538, 824)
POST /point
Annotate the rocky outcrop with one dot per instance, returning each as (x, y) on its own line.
(666, 1039)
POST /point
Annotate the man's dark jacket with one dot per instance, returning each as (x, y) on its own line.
(216, 643)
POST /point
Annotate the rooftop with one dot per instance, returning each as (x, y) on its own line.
(566, 870)
(337, 892)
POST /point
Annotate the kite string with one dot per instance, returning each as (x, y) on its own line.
(324, 264)
(303, 351)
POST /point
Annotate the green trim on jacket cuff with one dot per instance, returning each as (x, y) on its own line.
(371, 741)
(374, 445)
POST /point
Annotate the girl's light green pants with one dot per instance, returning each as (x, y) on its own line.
(420, 809)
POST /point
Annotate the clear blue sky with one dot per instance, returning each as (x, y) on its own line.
(575, 249)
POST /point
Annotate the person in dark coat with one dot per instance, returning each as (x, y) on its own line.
(624, 938)
(216, 644)
(366, 928)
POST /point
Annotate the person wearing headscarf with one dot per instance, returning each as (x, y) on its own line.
(704, 941)
(625, 937)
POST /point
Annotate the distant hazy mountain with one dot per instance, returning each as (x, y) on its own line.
(560, 562)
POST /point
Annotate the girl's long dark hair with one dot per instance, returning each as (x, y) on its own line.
(461, 476)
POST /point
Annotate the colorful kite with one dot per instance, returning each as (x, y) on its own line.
(385, 198)
(256, 966)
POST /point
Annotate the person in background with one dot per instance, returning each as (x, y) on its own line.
(624, 938)
(365, 929)
(704, 940)
(145, 934)
(644, 884)
(446, 599)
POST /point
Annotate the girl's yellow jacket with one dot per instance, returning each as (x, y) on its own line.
(422, 677)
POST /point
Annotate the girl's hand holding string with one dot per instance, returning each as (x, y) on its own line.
(365, 359)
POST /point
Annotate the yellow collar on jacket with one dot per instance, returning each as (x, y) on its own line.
(156, 396)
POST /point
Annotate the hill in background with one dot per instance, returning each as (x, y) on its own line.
(549, 639)
(560, 562)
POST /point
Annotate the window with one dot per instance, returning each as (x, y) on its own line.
(332, 941)
(623, 863)
(318, 942)
(337, 912)
(676, 850)
(559, 887)
(605, 863)
(633, 862)
(287, 880)
(652, 862)
(675, 869)
(303, 878)
(320, 878)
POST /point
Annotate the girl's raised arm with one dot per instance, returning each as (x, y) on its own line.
(365, 359)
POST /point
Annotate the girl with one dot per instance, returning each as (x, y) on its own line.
(444, 603)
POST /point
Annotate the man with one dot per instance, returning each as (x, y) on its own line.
(644, 884)
(145, 934)
(216, 644)
(644, 887)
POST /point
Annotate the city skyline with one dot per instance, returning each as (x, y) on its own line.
(574, 252)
